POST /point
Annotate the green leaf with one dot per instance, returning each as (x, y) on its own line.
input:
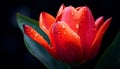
(34, 48)
(111, 57)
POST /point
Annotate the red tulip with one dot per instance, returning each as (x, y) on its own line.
(74, 35)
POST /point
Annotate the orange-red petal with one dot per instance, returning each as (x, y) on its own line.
(98, 38)
(87, 30)
(67, 42)
(29, 31)
(46, 21)
(99, 22)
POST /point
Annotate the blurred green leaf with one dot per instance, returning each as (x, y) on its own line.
(34, 48)
(111, 58)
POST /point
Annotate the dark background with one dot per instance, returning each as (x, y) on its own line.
(14, 54)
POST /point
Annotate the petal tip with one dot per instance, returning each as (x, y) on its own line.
(25, 27)
(42, 13)
(102, 17)
(63, 5)
(27, 30)
(108, 20)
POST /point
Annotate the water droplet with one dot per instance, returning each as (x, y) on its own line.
(31, 31)
(58, 32)
(64, 33)
(27, 29)
(72, 13)
(44, 27)
(74, 35)
(36, 35)
(77, 26)
(63, 26)
(51, 46)
(41, 37)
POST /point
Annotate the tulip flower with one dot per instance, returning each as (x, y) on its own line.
(74, 35)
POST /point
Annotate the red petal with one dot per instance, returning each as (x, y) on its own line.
(67, 42)
(46, 21)
(60, 12)
(29, 31)
(96, 43)
(86, 30)
(68, 15)
(99, 22)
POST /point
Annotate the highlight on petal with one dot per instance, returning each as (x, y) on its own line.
(29, 31)
(67, 42)
(99, 22)
(98, 38)
(46, 21)
(87, 30)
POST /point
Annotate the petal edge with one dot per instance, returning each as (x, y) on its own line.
(99, 22)
(46, 21)
(67, 42)
(96, 43)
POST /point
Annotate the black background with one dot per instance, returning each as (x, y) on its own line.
(14, 54)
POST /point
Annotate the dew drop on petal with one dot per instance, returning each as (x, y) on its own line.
(64, 33)
(44, 27)
(63, 26)
(27, 29)
(59, 32)
(36, 35)
(41, 37)
(31, 31)
(73, 34)
(72, 13)
(76, 26)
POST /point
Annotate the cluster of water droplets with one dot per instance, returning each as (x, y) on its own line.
(76, 22)
(73, 34)
(33, 34)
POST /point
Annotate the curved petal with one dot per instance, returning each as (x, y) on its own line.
(98, 38)
(60, 12)
(99, 22)
(46, 21)
(67, 42)
(29, 31)
(87, 30)
(69, 16)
